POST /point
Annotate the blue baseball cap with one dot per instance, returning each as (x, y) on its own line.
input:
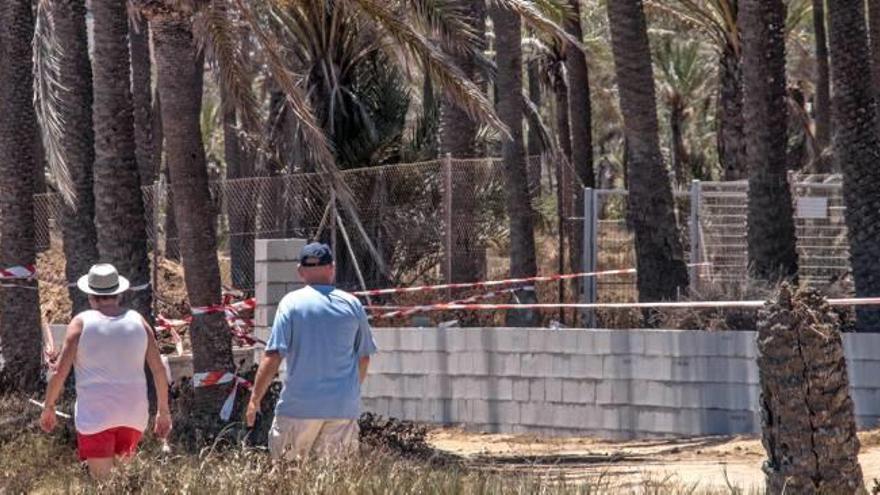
(315, 254)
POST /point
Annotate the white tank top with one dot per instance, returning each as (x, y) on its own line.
(111, 388)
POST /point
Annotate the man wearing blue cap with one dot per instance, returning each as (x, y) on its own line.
(325, 338)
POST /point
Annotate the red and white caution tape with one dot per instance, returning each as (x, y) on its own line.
(428, 307)
(864, 301)
(212, 378)
(18, 272)
(500, 283)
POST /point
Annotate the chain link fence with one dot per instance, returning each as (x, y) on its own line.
(408, 223)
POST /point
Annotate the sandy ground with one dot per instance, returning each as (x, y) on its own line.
(700, 463)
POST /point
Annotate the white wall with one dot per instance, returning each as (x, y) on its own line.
(613, 383)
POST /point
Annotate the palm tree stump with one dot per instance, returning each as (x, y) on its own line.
(808, 418)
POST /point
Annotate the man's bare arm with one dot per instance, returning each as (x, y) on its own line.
(265, 373)
(363, 366)
(65, 363)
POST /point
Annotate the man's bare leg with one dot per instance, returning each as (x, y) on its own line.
(100, 468)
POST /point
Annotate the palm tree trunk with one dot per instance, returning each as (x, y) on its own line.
(581, 113)
(679, 153)
(239, 203)
(731, 140)
(508, 82)
(458, 138)
(180, 87)
(856, 147)
(534, 140)
(823, 84)
(119, 207)
(142, 97)
(662, 273)
(771, 236)
(580, 109)
(19, 306)
(77, 142)
(874, 36)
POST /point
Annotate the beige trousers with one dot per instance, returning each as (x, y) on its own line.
(292, 438)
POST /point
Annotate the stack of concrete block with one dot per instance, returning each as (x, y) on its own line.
(275, 275)
(612, 383)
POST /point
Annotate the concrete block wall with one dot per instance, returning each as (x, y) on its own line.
(616, 384)
(275, 274)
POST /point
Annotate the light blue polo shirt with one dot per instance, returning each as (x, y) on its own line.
(322, 333)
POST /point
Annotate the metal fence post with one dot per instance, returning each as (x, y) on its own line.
(696, 241)
(589, 253)
(447, 218)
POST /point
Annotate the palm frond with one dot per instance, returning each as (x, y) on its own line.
(437, 64)
(533, 16)
(448, 20)
(48, 95)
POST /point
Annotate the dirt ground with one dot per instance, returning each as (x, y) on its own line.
(710, 463)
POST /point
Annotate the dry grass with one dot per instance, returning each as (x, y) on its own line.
(31, 462)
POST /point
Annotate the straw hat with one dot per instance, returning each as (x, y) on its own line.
(103, 280)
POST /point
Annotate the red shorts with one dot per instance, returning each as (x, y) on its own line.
(119, 441)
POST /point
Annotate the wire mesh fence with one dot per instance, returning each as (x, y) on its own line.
(407, 223)
(712, 218)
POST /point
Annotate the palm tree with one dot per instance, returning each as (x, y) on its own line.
(19, 305)
(120, 218)
(180, 71)
(662, 273)
(76, 146)
(874, 36)
(823, 83)
(142, 98)
(508, 88)
(580, 110)
(683, 78)
(771, 236)
(857, 146)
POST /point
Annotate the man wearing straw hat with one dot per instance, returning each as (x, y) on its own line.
(106, 346)
(323, 335)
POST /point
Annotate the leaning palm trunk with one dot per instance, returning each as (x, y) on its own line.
(771, 236)
(77, 142)
(731, 140)
(856, 147)
(508, 34)
(659, 258)
(19, 305)
(180, 87)
(119, 207)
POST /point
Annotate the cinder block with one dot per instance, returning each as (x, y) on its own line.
(432, 339)
(457, 339)
(500, 389)
(271, 293)
(521, 390)
(863, 374)
(277, 249)
(585, 366)
(539, 340)
(480, 363)
(410, 340)
(862, 346)
(536, 390)
(506, 412)
(275, 271)
(738, 344)
(264, 315)
(614, 392)
(536, 365)
(387, 362)
(387, 339)
(414, 363)
(578, 391)
(570, 341)
(561, 367)
(553, 389)
(507, 364)
(515, 340)
(618, 342)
